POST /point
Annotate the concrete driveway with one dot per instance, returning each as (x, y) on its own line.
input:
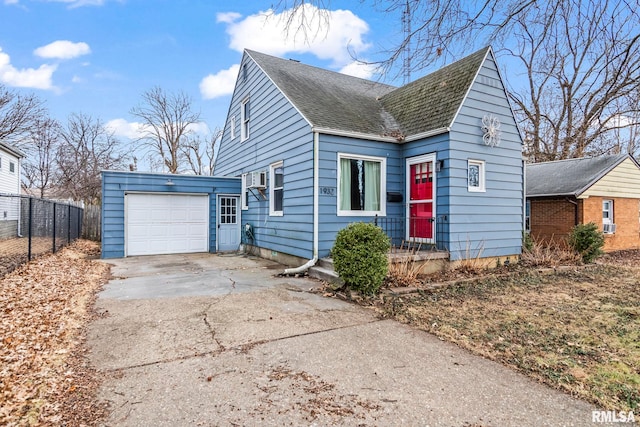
(208, 340)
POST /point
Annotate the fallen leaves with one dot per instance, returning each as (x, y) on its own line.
(44, 308)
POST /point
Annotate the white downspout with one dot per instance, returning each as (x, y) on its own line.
(316, 215)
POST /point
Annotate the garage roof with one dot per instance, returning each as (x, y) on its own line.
(570, 177)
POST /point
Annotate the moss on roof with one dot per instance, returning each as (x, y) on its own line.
(336, 101)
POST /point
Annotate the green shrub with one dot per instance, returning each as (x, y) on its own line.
(587, 240)
(360, 256)
(527, 242)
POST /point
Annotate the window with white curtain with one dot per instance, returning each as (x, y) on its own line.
(361, 185)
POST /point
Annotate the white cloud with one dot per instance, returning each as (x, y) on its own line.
(63, 49)
(79, 3)
(358, 69)
(219, 84)
(199, 128)
(267, 32)
(35, 78)
(228, 17)
(10, 1)
(123, 128)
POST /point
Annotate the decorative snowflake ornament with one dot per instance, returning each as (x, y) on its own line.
(491, 130)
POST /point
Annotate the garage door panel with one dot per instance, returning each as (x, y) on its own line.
(166, 223)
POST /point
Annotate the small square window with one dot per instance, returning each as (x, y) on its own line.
(475, 176)
(12, 167)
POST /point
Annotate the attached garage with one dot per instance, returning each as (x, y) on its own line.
(153, 214)
(159, 223)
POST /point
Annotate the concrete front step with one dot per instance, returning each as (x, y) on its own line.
(326, 274)
(434, 261)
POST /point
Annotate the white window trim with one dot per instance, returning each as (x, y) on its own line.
(383, 185)
(233, 127)
(244, 194)
(482, 187)
(14, 167)
(244, 121)
(272, 188)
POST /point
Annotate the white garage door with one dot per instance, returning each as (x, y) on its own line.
(166, 224)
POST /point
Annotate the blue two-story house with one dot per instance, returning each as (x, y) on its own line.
(437, 161)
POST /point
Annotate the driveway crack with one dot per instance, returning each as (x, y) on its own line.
(212, 331)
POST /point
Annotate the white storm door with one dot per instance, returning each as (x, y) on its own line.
(228, 223)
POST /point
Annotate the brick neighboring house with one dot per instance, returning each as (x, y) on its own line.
(603, 190)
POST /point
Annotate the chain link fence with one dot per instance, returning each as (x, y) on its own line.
(30, 227)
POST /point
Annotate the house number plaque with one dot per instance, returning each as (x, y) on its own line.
(327, 191)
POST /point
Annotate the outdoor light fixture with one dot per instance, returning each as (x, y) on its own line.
(169, 182)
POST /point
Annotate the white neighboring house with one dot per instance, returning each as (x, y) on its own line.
(10, 159)
(10, 163)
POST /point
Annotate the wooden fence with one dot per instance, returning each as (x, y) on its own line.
(91, 223)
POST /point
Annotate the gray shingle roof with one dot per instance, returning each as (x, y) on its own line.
(432, 101)
(326, 98)
(568, 177)
(12, 149)
(336, 101)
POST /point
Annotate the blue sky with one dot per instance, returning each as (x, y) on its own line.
(97, 56)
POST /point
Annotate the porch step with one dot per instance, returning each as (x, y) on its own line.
(324, 270)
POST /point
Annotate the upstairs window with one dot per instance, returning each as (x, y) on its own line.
(12, 167)
(245, 115)
(361, 185)
(245, 72)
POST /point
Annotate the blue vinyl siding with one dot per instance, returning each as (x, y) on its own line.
(330, 146)
(277, 133)
(486, 223)
(489, 222)
(116, 184)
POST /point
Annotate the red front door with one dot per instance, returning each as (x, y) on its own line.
(421, 181)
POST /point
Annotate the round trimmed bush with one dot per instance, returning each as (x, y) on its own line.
(360, 256)
(587, 240)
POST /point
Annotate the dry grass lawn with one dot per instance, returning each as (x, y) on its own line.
(576, 330)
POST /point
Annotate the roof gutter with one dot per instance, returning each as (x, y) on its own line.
(349, 134)
(427, 134)
(316, 214)
(13, 150)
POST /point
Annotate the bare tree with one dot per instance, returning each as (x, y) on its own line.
(39, 169)
(581, 60)
(87, 148)
(166, 119)
(200, 153)
(18, 115)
